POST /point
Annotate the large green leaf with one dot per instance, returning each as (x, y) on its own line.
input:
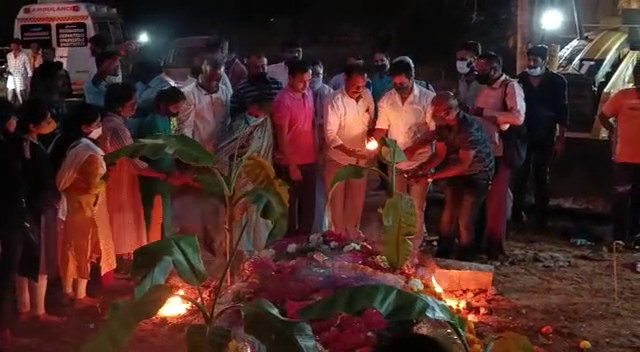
(123, 319)
(393, 303)
(179, 146)
(157, 276)
(214, 185)
(184, 253)
(279, 334)
(261, 174)
(399, 226)
(511, 342)
(391, 151)
(272, 208)
(349, 172)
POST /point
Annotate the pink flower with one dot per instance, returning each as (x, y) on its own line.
(292, 308)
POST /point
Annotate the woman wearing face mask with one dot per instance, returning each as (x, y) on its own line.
(39, 253)
(87, 232)
(124, 201)
(168, 104)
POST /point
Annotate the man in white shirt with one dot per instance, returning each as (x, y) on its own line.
(20, 73)
(205, 115)
(349, 114)
(290, 51)
(404, 115)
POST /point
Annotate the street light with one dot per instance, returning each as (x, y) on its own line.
(551, 20)
(143, 38)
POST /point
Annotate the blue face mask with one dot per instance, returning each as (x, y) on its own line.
(535, 71)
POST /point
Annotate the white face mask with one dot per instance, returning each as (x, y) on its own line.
(535, 71)
(95, 133)
(463, 67)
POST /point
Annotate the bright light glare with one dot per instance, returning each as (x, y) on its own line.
(551, 20)
(372, 144)
(143, 37)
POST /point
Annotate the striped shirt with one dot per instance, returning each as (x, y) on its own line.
(249, 89)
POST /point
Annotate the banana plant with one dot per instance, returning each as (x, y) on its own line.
(154, 262)
(399, 215)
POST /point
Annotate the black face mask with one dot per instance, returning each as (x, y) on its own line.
(483, 78)
(259, 77)
(380, 68)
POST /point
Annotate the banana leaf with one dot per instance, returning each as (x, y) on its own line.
(180, 146)
(261, 174)
(263, 321)
(510, 342)
(272, 208)
(399, 226)
(157, 276)
(123, 319)
(391, 151)
(215, 185)
(393, 303)
(184, 253)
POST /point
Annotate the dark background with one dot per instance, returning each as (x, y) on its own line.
(427, 30)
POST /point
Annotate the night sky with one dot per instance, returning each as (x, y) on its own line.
(428, 30)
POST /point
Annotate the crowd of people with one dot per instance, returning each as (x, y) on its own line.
(64, 209)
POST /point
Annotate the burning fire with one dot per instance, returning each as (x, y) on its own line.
(174, 306)
(372, 144)
(456, 304)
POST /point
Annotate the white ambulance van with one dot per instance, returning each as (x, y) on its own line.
(67, 26)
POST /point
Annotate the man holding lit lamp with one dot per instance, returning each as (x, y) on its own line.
(349, 114)
(464, 153)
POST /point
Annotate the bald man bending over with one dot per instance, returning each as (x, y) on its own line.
(464, 158)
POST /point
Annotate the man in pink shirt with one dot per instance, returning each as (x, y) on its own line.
(296, 155)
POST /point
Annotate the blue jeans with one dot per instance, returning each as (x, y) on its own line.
(463, 197)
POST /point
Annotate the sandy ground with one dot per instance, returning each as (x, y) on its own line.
(578, 301)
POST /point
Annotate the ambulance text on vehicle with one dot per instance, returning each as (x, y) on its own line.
(67, 26)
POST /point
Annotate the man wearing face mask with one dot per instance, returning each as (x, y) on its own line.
(545, 94)
(381, 83)
(290, 51)
(468, 87)
(501, 108)
(463, 147)
(258, 83)
(321, 95)
(403, 116)
(205, 114)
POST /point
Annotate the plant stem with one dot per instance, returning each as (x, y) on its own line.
(226, 269)
(224, 310)
(200, 306)
(461, 335)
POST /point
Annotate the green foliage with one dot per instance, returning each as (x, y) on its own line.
(393, 303)
(391, 152)
(204, 338)
(263, 321)
(399, 226)
(124, 317)
(179, 146)
(151, 261)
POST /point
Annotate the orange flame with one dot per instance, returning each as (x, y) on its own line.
(436, 287)
(451, 302)
(174, 306)
(372, 144)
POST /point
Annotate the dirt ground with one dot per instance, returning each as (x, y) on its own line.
(576, 299)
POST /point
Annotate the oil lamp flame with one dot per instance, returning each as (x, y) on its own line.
(372, 144)
(436, 287)
(174, 306)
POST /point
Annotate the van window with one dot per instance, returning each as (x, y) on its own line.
(39, 33)
(71, 35)
(104, 30)
(117, 33)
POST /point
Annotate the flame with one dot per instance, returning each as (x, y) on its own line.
(451, 302)
(174, 306)
(472, 318)
(436, 287)
(372, 144)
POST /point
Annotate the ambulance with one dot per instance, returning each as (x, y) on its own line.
(67, 26)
